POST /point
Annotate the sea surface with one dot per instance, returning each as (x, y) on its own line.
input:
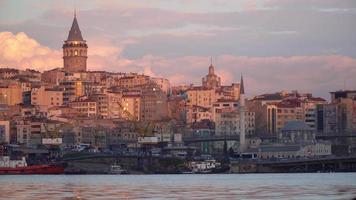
(186, 186)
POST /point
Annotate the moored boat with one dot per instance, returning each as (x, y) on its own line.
(12, 167)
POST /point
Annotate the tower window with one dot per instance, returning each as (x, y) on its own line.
(75, 52)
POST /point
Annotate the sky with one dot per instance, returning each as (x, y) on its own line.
(304, 45)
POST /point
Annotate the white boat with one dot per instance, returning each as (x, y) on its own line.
(204, 167)
(116, 169)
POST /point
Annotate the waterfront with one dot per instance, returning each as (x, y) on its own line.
(222, 186)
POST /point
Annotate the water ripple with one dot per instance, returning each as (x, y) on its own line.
(251, 186)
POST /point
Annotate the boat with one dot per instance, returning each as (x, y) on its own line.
(116, 169)
(204, 167)
(13, 167)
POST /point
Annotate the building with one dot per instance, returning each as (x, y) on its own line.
(177, 109)
(199, 96)
(30, 131)
(342, 94)
(296, 139)
(75, 88)
(75, 50)
(131, 104)
(85, 107)
(197, 114)
(339, 117)
(211, 80)
(102, 102)
(114, 108)
(47, 96)
(296, 132)
(23, 132)
(163, 84)
(11, 94)
(132, 80)
(153, 104)
(288, 110)
(4, 131)
(53, 76)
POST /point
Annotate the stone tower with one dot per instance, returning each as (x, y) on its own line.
(75, 50)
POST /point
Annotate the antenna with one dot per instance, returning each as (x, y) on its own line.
(75, 13)
(211, 60)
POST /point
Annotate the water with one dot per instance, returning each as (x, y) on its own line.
(222, 186)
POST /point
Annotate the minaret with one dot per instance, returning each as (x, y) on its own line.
(75, 50)
(242, 117)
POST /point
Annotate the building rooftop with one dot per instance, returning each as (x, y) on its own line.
(74, 33)
(296, 125)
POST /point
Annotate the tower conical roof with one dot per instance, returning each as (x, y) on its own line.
(242, 88)
(74, 33)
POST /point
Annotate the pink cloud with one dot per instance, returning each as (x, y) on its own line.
(317, 74)
(21, 51)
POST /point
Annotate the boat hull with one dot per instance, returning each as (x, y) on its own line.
(35, 169)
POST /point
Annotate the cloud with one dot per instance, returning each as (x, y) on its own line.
(21, 51)
(317, 74)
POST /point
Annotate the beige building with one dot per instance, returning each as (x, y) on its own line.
(162, 84)
(74, 88)
(198, 114)
(199, 96)
(47, 96)
(53, 76)
(86, 107)
(132, 105)
(114, 108)
(11, 94)
(102, 102)
(133, 80)
(227, 122)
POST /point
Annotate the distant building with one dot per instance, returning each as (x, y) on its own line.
(211, 80)
(153, 104)
(340, 116)
(74, 88)
(296, 139)
(343, 94)
(47, 96)
(132, 105)
(199, 96)
(11, 94)
(4, 131)
(197, 114)
(53, 76)
(85, 107)
(132, 80)
(273, 111)
(163, 84)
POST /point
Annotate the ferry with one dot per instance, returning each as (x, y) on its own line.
(13, 167)
(204, 167)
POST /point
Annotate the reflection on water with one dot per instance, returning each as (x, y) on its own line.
(237, 186)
